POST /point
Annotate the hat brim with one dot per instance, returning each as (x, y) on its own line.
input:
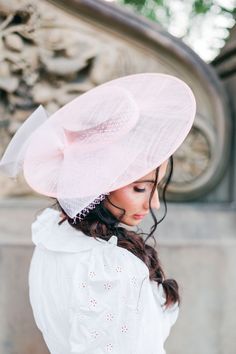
(162, 109)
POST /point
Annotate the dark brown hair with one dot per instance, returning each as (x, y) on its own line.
(102, 223)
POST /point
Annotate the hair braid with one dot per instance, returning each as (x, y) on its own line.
(100, 222)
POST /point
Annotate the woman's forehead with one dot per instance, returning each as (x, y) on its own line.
(151, 175)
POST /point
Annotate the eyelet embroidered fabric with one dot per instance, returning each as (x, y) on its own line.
(98, 300)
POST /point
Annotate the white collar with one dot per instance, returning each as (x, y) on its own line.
(127, 227)
(48, 234)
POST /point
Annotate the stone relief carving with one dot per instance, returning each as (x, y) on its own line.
(193, 158)
(40, 60)
(48, 59)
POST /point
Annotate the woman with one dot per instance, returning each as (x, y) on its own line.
(96, 286)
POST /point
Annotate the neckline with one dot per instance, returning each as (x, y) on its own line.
(127, 227)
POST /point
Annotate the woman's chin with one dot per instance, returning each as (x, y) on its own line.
(131, 222)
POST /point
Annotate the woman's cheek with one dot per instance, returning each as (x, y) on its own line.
(126, 198)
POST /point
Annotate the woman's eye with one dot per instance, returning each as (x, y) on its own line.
(139, 189)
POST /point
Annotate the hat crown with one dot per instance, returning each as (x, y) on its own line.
(111, 114)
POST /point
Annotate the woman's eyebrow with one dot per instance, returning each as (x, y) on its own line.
(145, 180)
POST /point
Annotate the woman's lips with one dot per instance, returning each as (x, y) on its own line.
(139, 216)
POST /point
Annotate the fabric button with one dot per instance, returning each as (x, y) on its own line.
(113, 239)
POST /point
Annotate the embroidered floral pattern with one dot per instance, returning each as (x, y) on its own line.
(109, 316)
(108, 298)
(119, 269)
(92, 274)
(124, 329)
(107, 286)
(109, 347)
(94, 334)
(134, 281)
(93, 302)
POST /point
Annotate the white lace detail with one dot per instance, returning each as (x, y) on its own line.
(91, 206)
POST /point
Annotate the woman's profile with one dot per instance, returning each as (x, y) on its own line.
(96, 285)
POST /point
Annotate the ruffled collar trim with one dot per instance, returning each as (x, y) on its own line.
(47, 233)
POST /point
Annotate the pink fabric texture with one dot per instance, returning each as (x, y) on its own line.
(106, 138)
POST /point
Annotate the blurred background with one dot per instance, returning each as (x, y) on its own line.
(53, 50)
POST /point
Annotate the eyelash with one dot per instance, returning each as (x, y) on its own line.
(139, 190)
(142, 190)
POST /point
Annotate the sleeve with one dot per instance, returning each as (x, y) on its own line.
(106, 291)
(170, 315)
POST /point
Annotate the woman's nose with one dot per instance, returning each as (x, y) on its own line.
(155, 202)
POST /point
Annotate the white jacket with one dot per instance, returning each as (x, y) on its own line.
(92, 297)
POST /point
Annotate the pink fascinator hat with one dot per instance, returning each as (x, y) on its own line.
(103, 140)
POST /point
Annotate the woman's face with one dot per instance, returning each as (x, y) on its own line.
(134, 198)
